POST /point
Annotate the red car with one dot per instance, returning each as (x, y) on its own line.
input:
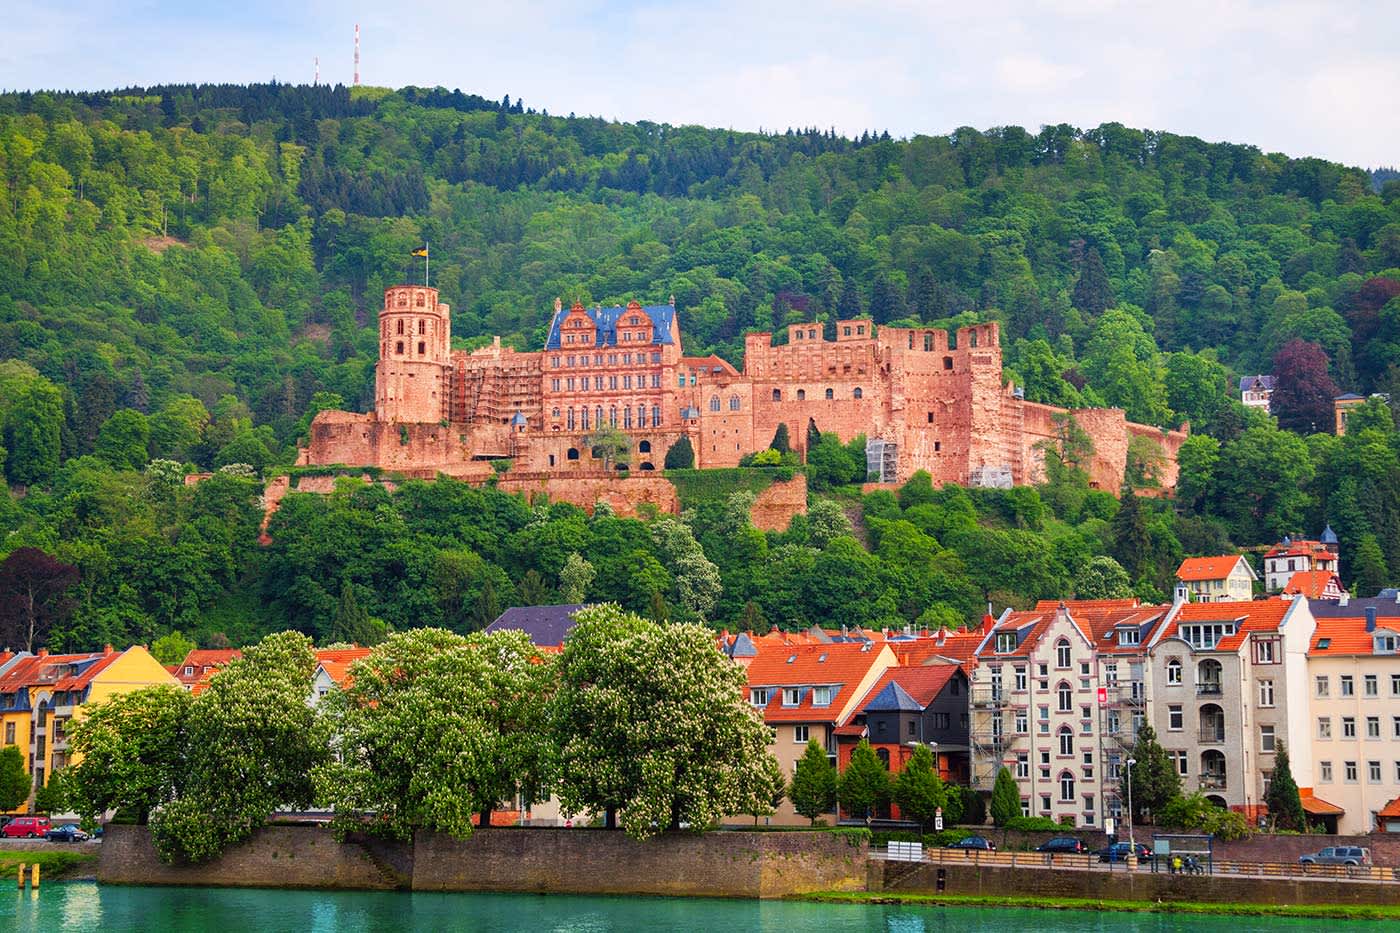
(30, 827)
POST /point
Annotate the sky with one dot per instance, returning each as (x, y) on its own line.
(1308, 77)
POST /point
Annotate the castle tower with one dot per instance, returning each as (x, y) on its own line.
(415, 356)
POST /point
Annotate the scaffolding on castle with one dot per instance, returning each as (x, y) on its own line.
(881, 460)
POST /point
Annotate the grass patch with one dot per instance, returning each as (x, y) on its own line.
(51, 864)
(1330, 911)
(697, 487)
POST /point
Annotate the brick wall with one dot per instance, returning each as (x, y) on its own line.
(1260, 847)
(774, 507)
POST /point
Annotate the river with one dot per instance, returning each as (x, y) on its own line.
(82, 906)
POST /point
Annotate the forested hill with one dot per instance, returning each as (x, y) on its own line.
(187, 272)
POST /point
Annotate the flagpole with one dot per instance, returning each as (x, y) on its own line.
(425, 263)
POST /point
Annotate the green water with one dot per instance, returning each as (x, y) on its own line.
(86, 906)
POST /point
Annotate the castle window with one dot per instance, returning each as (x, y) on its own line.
(800, 335)
(930, 417)
(801, 395)
(811, 335)
(570, 362)
(627, 337)
(928, 342)
(627, 382)
(572, 454)
(554, 384)
(830, 394)
(612, 382)
(656, 357)
(403, 301)
(777, 395)
(422, 326)
(680, 380)
(598, 383)
(641, 416)
(554, 412)
(568, 338)
(937, 446)
(554, 362)
(571, 419)
(911, 340)
(974, 340)
(420, 300)
(398, 347)
(656, 416)
(733, 403)
(714, 403)
(584, 418)
(422, 348)
(612, 416)
(860, 329)
(627, 418)
(634, 322)
(400, 326)
(551, 459)
(656, 380)
(947, 362)
(857, 393)
(644, 447)
(846, 331)
(599, 413)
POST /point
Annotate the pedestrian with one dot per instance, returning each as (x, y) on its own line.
(1176, 864)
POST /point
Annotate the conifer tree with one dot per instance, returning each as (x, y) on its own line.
(1092, 293)
(1156, 782)
(1283, 800)
(1369, 567)
(866, 783)
(780, 440)
(1132, 547)
(813, 788)
(680, 456)
(1006, 798)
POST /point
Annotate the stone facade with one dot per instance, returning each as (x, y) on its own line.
(938, 401)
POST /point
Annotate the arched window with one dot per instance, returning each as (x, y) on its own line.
(1208, 677)
(857, 393)
(830, 394)
(644, 447)
(1174, 671)
(554, 412)
(612, 416)
(571, 419)
(421, 302)
(1066, 786)
(1065, 697)
(573, 453)
(583, 412)
(777, 395)
(627, 418)
(1066, 740)
(714, 403)
(401, 325)
(801, 395)
(733, 403)
(646, 465)
(1062, 653)
(598, 415)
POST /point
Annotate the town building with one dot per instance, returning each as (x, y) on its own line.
(1228, 687)
(41, 693)
(333, 670)
(201, 664)
(1288, 557)
(912, 706)
(547, 626)
(1353, 689)
(1217, 579)
(1315, 584)
(926, 399)
(1257, 392)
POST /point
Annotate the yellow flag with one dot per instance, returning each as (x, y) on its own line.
(420, 251)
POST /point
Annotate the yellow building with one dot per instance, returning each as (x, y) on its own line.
(40, 693)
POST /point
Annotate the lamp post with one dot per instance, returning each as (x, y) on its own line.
(1132, 847)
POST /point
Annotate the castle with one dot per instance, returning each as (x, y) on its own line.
(924, 400)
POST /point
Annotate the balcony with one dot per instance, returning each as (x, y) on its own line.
(1132, 694)
(1213, 736)
(1213, 780)
(1208, 689)
(988, 695)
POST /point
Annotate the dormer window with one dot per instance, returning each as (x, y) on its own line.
(792, 696)
(821, 696)
(1006, 641)
(1129, 636)
(759, 696)
(189, 672)
(1385, 644)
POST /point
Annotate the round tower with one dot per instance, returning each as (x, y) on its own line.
(415, 356)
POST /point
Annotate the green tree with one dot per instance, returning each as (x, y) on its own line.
(1195, 812)
(15, 781)
(864, 786)
(32, 434)
(1132, 547)
(1155, 782)
(918, 789)
(780, 441)
(652, 725)
(123, 440)
(680, 455)
(611, 445)
(1006, 798)
(813, 788)
(171, 648)
(132, 753)
(1284, 803)
(352, 623)
(1369, 567)
(1092, 292)
(575, 578)
(1102, 578)
(54, 796)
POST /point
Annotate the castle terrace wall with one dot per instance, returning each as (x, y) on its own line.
(626, 495)
(774, 507)
(1140, 885)
(560, 861)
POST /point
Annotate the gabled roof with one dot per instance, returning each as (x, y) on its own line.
(56, 671)
(336, 662)
(892, 698)
(1030, 625)
(1312, 583)
(1386, 607)
(1250, 382)
(1391, 810)
(546, 625)
(1346, 636)
(1194, 569)
(842, 665)
(1301, 548)
(1259, 615)
(909, 688)
(711, 365)
(605, 320)
(199, 659)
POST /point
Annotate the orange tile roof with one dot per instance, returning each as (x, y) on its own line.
(1302, 548)
(1311, 583)
(336, 662)
(47, 670)
(844, 664)
(1391, 810)
(1316, 805)
(1073, 605)
(1194, 569)
(923, 683)
(1345, 636)
(1259, 615)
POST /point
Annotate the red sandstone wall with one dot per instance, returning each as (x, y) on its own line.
(774, 508)
(624, 494)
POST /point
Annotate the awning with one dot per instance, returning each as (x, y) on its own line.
(1391, 810)
(1319, 807)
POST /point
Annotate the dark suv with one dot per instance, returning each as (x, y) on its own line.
(1061, 845)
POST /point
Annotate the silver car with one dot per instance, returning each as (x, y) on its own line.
(1338, 855)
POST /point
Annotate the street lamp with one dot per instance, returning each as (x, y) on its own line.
(1132, 847)
(934, 746)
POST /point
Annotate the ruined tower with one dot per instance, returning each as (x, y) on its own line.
(415, 348)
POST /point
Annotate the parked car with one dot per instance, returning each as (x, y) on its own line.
(1061, 845)
(30, 827)
(68, 832)
(1118, 852)
(1338, 855)
(980, 843)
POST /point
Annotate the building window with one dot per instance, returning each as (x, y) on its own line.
(1020, 677)
(777, 395)
(1323, 685)
(1065, 697)
(398, 347)
(1006, 641)
(1373, 727)
(1066, 741)
(857, 393)
(1062, 654)
(1349, 772)
(1348, 727)
(759, 696)
(1373, 772)
(1324, 772)
(1266, 651)
(830, 394)
(1023, 766)
(1266, 739)
(1370, 686)
(733, 403)
(400, 328)
(1395, 685)
(1022, 722)
(801, 734)
(1066, 787)
(801, 395)
(821, 696)
(792, 696)
(1348, 685)
(422, 348)
(1174, 671)
(1395, 727)
(1266, 693)
(1174, 718)
(1324, 727)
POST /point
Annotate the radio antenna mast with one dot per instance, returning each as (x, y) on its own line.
(357, 55)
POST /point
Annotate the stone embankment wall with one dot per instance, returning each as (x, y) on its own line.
(930, 878)
(625, 495)
(573, 861)
(1260, 847)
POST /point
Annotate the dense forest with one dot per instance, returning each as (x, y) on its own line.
(188, 273)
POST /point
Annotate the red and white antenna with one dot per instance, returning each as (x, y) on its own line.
(357, 55)
(317, 60)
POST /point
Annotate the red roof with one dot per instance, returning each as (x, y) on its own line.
(1260, 615)
(1345, 636)
(922, 683)
(204, 662)
(843, 665)
(55, 671)
(1312, 583)
(336, 662)
(1194, 569)
(1315, 549)
(1391, 810)
(1316, 805)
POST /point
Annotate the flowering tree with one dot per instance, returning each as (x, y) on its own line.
(131, 751)
(652, 725)
(251, 743)
(435, 727)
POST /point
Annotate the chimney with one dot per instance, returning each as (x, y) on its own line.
(987, 621)
(43, 652)
(107, 648)
(1370, 618)
(1344, 600)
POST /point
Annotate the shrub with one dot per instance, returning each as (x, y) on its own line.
(1033, 824)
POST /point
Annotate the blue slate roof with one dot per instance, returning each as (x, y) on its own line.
(606, 319)
(893, 698)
